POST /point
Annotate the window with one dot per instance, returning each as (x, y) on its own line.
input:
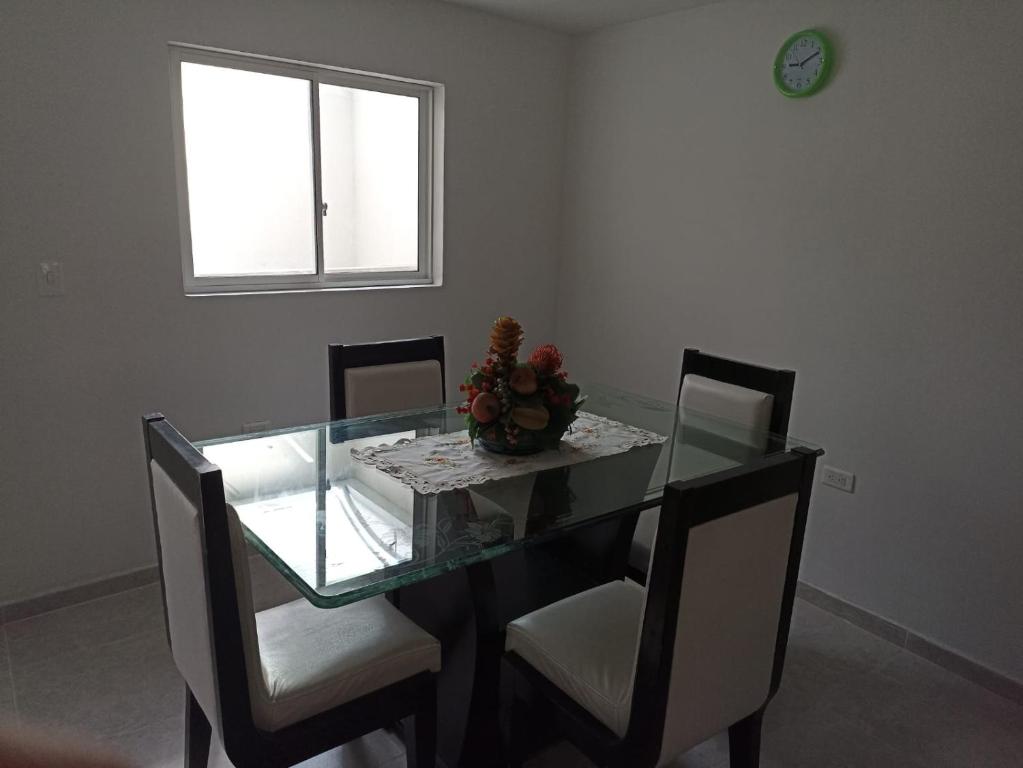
(293, 176)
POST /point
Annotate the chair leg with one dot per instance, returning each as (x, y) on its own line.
(421, 730)
(515, 739)
(197, 733)
(744, 741)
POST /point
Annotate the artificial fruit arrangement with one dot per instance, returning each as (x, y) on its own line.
(518, 407)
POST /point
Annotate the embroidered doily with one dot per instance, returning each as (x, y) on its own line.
(438, 463)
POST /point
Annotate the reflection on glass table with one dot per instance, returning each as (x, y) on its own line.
(341, 530)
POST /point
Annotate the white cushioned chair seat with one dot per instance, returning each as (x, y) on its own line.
(315, 659)
(587, 645)
(373, 389)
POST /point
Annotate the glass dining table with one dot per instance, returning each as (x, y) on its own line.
(464, 553)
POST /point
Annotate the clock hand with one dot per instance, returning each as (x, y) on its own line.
(818, 53)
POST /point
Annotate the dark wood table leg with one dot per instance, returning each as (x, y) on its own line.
(443, 607)
(484, 743)
(468, 609)
(467, 612)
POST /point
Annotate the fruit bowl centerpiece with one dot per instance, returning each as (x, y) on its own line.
(518, 407)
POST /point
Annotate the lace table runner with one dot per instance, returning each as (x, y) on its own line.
(439, 463)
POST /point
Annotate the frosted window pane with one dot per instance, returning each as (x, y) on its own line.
(248, 149)
(369, 150)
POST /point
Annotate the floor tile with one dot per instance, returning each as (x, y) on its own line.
(906, 712)
(710, 754)
(560, 755)
(563, 755)
(8, 714)
(852, 700)
(68, 631)
(373, 750)
(824, 653)
(836, 746)
(115, 688)
(952, 721)
(848, 699)
(158, 745)
(830, 648)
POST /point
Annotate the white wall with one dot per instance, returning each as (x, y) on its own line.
(87, 178)
(869, 237)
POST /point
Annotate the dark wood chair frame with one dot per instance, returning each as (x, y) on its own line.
(685, 505)
(413, 700)
(341, 357)
(778, 383)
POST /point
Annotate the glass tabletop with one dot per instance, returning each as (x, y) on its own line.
(341, 530)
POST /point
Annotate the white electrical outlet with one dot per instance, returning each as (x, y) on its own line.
(50, 278)
(255, 426)
(838, 478)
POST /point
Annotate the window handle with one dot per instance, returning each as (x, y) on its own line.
(323, 209)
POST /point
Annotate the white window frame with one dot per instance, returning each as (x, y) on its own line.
(431, 174)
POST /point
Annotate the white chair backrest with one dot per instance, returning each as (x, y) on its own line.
(733, 581)
(749, 409)
(189, 612)
(185, 591)
(373, 389)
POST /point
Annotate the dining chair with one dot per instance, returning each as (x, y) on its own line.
(385, 376)
(282, 685)
(757, 398)
(635, 676)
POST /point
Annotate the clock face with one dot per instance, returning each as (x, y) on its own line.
(802, 64)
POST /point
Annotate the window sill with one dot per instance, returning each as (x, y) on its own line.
(263, 290)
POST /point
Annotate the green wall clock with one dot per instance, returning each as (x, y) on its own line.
(802, 65)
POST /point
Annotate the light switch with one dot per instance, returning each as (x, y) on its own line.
(50, 278)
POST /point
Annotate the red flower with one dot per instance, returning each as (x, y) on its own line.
(546, 359)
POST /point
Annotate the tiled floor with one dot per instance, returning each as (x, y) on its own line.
(848, 698)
